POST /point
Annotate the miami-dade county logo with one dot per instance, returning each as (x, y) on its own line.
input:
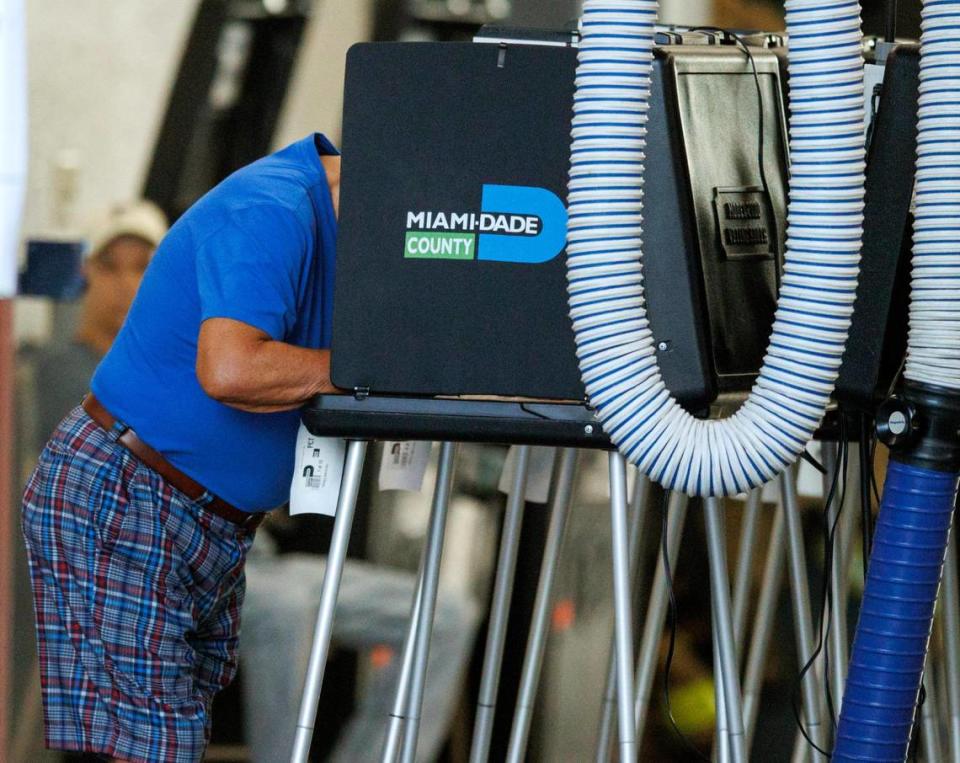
(515, 224)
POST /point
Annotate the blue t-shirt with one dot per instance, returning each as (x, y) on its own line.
(259, 248)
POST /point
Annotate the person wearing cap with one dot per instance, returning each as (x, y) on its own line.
(144, 502)
(118, 252)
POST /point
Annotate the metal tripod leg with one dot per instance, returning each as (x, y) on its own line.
(939, 669)
(721, 742)
(838, 574)
(839, 584)
(638, 513)
(402, 699)
(726, 646)
(802, 750)
(539, 626)
(763, 624)
(346, 507)
(405, 706)
(622, 606)
(951, 644)
(930, 721)
(656, 614)
(746, 547)
(839, 578)
(745, 552)
(800, 598)
(431, 581)
(500, 610)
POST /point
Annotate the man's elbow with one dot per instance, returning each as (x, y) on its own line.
(222, 380)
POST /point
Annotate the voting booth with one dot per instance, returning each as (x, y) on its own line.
(450, 312)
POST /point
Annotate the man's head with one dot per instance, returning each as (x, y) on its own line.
(120, 250)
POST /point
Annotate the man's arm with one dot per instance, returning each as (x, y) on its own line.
(243, 367)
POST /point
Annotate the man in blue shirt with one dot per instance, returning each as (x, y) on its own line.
(140, 512)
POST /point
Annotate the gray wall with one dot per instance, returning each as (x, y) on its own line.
(555, 12)
(544, 13)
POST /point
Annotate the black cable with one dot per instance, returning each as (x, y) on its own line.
(665, 554)
(866, 487)
(873, 473)
(826, 600)
(843, 454)
(891, 27)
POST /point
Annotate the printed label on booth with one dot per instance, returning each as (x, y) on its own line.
(318, 472)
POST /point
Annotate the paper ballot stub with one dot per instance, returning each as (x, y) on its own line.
(318, 472)
(539, 473)
(404, 465)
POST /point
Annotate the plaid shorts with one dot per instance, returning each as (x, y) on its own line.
(137, 593)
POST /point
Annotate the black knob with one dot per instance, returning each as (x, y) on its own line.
(897, 423)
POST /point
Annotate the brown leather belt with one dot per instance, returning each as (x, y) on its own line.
(151, 458)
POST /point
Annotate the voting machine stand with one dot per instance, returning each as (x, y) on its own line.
(450, 325)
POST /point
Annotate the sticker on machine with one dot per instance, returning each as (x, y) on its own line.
(404, 465)
(318, 472)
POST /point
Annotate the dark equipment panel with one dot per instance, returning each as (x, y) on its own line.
(878, 334)
(427, 126)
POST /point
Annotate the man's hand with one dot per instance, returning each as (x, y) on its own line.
(241, 366)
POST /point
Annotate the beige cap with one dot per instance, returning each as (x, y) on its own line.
(142, 219)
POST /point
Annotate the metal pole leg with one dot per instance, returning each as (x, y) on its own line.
(721, 749)
(745, 552)
(431, 583)
(763, 625)
(930, 720)
(346, 507)
(951, 644)
(939, 670)
(537, 642)
(638, 513)
(399, 714)
(657, 614)
(402, 699)
(801, 747)
(800, 598)
(839, 582)
(726, 646)
(622, 606)
(500, 611)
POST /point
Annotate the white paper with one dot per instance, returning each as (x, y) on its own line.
(317, 474)
(539, 472)
(403, 465)
(13, 138)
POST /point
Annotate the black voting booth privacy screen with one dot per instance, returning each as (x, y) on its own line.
(426, 128)
(433, 136)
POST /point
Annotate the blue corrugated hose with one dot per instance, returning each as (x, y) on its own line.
(896, 615)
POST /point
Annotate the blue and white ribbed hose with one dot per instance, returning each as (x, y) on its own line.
(934, 347)
(614, 343)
